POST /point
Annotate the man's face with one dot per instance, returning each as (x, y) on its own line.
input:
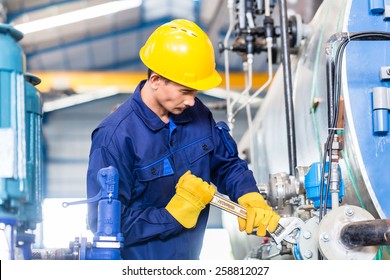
(174, 97)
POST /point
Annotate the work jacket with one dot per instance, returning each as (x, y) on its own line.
(150, 156)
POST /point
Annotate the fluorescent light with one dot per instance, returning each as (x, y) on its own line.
(78, 15)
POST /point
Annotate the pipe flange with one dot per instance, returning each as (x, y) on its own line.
(329, 239)
(308, 240)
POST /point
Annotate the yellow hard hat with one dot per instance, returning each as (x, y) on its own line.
(181, 52)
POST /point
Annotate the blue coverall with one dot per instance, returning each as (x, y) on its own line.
(150, 156)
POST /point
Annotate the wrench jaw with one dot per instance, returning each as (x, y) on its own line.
(277, 235)
(287, 230)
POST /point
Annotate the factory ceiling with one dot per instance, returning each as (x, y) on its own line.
(103, 35)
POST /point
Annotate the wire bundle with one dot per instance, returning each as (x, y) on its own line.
(334, 68)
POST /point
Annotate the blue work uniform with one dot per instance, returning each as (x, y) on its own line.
(150, 156)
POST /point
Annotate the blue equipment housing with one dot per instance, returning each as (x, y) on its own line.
(31, 210)
(21, 147)
(21, 173)
(108, 240)
(313, 185)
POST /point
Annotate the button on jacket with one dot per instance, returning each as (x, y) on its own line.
(151, 156)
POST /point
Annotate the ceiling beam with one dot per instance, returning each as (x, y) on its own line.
(125, 82)
(108, 34)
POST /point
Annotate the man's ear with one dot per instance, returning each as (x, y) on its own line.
(154, 81)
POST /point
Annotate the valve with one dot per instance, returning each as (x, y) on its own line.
(250, 36)
(108, 180)
(107, 240)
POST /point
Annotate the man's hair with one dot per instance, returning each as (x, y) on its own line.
(150, 72)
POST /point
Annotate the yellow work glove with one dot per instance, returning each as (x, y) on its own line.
(258, 214)
(192, 196)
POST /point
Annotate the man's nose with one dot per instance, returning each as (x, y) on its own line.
(189, 101)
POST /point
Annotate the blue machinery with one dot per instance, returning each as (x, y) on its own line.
(337, 139)
(107, 240)
(21, 169)
(20, 164)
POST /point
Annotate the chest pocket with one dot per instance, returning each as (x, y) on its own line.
(198, 150)
(154, 186)
(154, 171)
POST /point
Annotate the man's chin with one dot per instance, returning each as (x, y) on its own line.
(178, 111)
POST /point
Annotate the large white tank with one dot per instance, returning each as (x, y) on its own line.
(366, 154)
(364, 110)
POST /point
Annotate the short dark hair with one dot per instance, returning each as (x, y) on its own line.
(150, 72)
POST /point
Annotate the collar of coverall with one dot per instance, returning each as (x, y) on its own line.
(150, 118)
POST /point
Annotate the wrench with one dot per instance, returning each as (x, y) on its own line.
(284, 231)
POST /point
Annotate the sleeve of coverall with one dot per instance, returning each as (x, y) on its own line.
(136, 226)
(229, 172)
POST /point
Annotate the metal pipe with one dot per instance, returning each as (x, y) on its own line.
(226, 56)
(288, 87)
(267, 8)
(248, 112)
(54, 254)
(366, 233)
(252, 99)
(246, 9)
(330, 83)
(246, 91)
(241, 14)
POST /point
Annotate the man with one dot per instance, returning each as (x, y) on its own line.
(167, 148)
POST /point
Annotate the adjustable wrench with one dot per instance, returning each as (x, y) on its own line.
(284, 231)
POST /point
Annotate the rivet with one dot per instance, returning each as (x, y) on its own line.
(307, 234)
(308, 254)
(325, 237)
(349, 212)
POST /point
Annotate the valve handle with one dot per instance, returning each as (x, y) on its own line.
(108, 179)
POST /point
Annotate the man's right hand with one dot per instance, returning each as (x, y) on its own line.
(259, 215)
(192, 196)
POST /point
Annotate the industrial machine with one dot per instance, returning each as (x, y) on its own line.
(21, 166)
(319, 143)
(107, 240)
(21, 170)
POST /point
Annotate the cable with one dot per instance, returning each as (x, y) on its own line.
(334, 92)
